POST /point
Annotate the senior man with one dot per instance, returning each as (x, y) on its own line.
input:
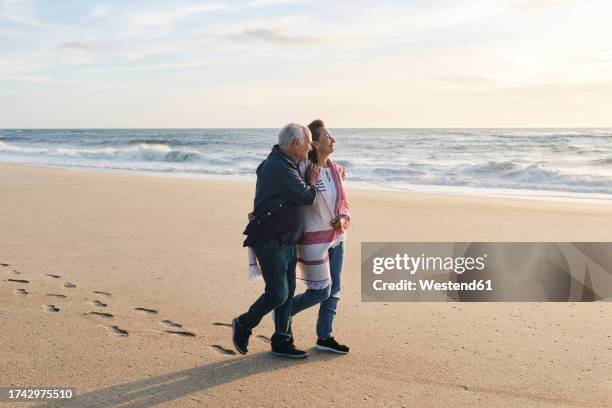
(274, 228)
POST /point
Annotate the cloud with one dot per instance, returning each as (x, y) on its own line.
(270, 36)
(33, 79)
(27, 21)
(5, 34)
(537, 4)
(98, 11)
(23, 13)
(76, 46)
(272, 2)
(461, 80)
(165, 18)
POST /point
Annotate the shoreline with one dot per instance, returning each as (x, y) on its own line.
(426, 190)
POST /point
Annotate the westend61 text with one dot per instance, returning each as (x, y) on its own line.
(431, 285)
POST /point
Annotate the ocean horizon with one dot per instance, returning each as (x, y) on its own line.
(564, 163)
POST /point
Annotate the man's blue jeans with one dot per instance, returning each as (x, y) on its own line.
(328, 297)
(277, 261)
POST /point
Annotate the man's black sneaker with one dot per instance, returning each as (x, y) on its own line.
(287, 349)
(332, 345)
(240, 336)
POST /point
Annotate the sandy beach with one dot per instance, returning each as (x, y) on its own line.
(132, 281)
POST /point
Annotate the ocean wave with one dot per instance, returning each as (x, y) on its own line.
(167, 142)
(138, 152)
(533, 176)
(532, 172)
(9, 138)
(536, 174)
(602, 162)
(491, 174)
(347, 164)
(540, 133)
(492, 167)
(397, 173)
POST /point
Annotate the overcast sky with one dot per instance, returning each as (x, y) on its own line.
(262, 63)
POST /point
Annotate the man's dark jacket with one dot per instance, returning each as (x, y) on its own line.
(279, 195)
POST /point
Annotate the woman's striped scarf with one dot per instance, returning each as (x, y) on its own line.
(319, 236)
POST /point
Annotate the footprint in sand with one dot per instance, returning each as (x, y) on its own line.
(101, 314)
(4, 264)
(56, 295)
(222, 324)
(69, 285)
(99, 304)
(180, 333)
(16, 272)
(222, 350)
(264, 338)
(172, 324)
(21, 291)
(120, 332)
(52, 276)
(107, 294)
(52, 308)
(148, 311)
(18, 280)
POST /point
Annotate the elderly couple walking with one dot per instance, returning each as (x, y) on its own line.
(300, 217)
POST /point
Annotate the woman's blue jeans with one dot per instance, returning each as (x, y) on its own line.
(327, 297)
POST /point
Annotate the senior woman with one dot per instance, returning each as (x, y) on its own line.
(320, 250)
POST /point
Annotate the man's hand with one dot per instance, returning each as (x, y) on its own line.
(312, 174)
(338, 223)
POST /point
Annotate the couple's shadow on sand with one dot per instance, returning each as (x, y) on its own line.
(168, 387)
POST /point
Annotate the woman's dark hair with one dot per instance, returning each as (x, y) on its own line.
(315, 128)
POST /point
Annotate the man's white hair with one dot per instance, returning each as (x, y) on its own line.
(290, 132)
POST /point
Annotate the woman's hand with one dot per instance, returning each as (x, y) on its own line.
(312, 174)
(339, 223)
